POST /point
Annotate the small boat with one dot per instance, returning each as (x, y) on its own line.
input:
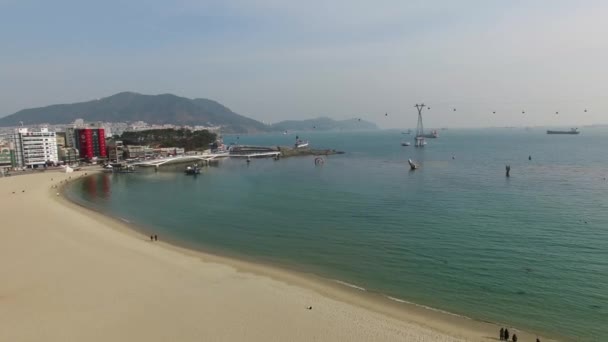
(300, 143)
(405, 143)
(413, 166)
(192, 170)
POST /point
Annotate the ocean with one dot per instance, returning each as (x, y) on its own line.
(529, 251)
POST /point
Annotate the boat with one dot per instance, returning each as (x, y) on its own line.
(405, 143)
(192, 170)
(413, 166)
(571, 131)
(300, 143)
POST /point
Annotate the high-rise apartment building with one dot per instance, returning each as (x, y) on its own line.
(34, 148)
(91, 142)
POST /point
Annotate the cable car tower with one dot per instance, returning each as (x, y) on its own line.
(420, 127)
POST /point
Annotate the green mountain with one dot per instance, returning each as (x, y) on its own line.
(323, 124)
(129, 107)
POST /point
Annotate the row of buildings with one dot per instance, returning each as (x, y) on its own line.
(25, 148)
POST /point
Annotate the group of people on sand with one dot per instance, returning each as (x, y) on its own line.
(154, 237)
(504, 335)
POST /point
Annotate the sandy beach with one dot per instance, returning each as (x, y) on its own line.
(71, 274)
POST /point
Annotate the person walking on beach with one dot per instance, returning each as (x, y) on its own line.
(506, 334)
(155, 237)
(502, 334)
(151, 237)
(537, 339)
(514, 337)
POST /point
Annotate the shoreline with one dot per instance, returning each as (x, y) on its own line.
(357, 295)
(444, 324)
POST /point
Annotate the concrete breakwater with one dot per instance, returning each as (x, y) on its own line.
(296, 152)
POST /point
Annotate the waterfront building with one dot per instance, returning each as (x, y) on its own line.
(70, 136)
(68, 155)
(116, 150)
(7, 157)
(61, 139)
(91, 143)
(168, 151)
(34, 148)
(135, 151)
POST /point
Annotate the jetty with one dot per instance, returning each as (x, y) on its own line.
(299, 152)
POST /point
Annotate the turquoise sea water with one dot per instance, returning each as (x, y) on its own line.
(530, 250)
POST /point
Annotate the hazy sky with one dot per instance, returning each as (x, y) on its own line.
(279, 59)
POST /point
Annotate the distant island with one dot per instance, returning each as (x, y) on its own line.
(133, 107)
(323, 124)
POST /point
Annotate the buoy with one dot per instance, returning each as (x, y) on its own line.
(319, 161)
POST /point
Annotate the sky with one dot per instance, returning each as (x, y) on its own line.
(274, 60)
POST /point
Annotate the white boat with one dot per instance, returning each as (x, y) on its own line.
(300, 143)
(192, 170)
(405, 143)
(413, 166)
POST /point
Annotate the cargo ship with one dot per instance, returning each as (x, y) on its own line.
(571, 131)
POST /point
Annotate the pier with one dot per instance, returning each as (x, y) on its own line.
(273, 154)
(242, 152)
(205, 158)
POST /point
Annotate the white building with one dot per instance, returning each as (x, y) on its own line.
(34, 148)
